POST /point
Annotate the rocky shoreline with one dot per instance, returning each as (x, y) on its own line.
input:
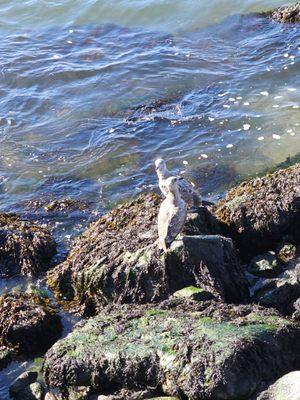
(213, 318)
(217, 317)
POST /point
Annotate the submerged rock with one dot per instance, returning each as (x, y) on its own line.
(28, 324)
(287, 14)
(286, 388)
(25, 248)
(257, 214)
(204, 351)
(117, 260)
(58, 205)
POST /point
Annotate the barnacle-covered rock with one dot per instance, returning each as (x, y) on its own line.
(117, 260)
(287, 14)
(28, 324)
(257, 214)
(198, 351)
(25, 248)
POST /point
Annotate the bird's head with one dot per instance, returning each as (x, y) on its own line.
(160, 165)
(172, 184)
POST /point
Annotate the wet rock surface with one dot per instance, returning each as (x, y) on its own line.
(258, 213)
(62, 205)
(288, 14)
(25, 248)
(29, 324)
(194, 350)
(117, 260)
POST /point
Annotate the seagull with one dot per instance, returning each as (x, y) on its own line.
(172, 214)
(186, 189)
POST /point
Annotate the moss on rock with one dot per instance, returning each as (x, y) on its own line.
(117, 260)
(258, 213)
(28, 324)
(25, 248)
(215, 351)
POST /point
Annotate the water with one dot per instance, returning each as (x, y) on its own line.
(92, 92)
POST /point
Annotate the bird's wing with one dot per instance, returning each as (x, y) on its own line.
(176, 222)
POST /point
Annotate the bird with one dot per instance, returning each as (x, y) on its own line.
(172, 214)
(186, 189)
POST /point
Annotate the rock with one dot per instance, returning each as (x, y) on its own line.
(117, 260)
(215, 266)
(28, 324)
(287, 253)
(25, 248)
(207, 350)
(5, 358)
(21, 383)
(193, 293)
(257, 214)
(282, 292)
(286, 388)
(37, 390)
(62, 205)
(287, 14)
(50, 396)
(265, 265)
(296, 309)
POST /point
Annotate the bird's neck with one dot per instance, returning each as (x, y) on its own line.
(163, 174)
(174, 197)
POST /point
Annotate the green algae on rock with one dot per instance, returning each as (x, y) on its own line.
(117, 260)
(25, 248)
(211, 352)
(258, 213)
(28, 324)
(193, 293)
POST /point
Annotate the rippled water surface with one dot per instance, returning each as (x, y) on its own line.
(92, 92)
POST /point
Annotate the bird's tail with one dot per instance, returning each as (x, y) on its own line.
(162, 244)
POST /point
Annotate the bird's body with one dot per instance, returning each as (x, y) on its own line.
(186, 189)
(172, 214)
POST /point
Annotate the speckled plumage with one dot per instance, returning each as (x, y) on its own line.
(172, 214)
(186, 189)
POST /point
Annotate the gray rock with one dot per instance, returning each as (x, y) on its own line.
(282, 292)
(286, 388)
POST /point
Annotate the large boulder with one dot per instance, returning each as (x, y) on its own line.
(204, 351)
(117, 260)
(29, 324)
(286, 388)
(258, 214)
(25, 248)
